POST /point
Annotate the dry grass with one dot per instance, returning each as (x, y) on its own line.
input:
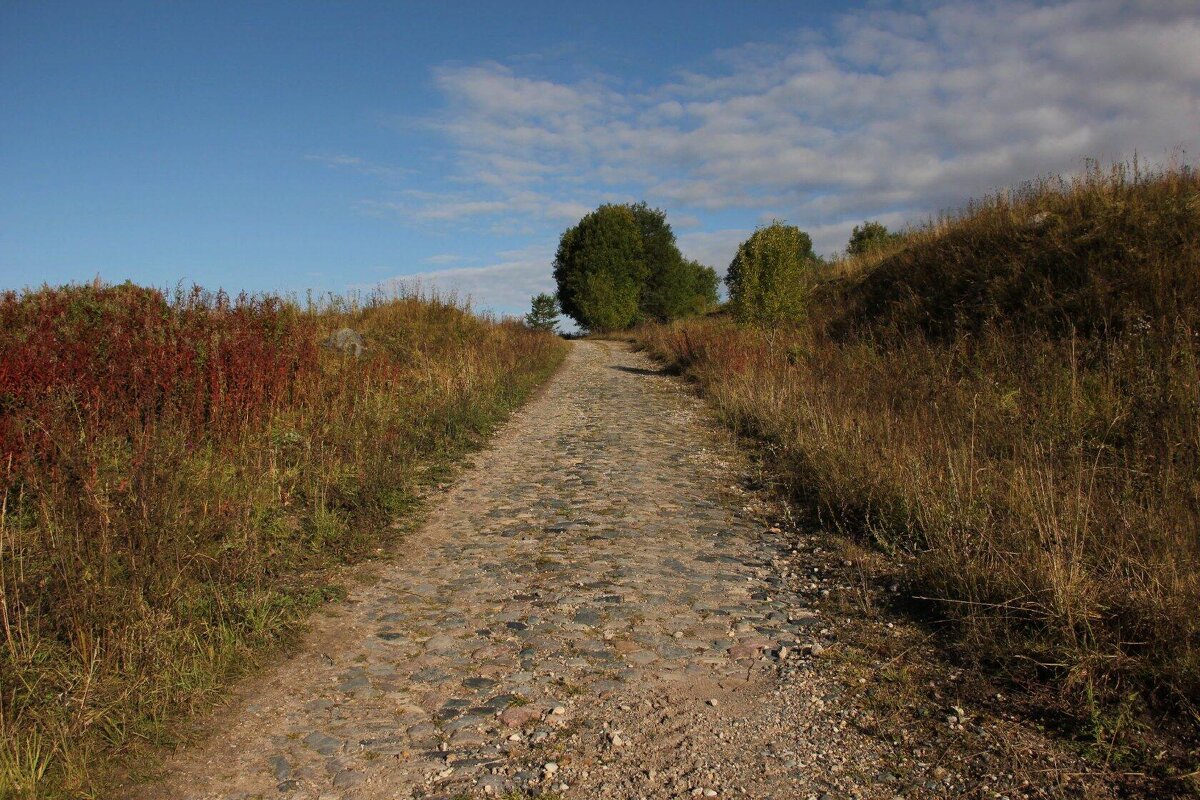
(1012, 400)
(177, 474)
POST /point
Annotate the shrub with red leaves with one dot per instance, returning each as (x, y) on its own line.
(115, 358)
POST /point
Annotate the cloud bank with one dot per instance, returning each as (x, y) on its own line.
(891, 115)
(503, 287)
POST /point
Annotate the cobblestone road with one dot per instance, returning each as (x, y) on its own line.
(588, 611)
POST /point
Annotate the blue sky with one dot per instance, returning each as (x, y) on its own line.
(288, 146)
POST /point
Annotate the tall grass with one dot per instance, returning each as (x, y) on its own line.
(174, 474)
(1012, 398)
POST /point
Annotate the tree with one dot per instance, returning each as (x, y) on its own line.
(647, 276)
(704, 288)
(608, 301)
(600, 269)
(770, 277)
(543, 313)
(664, 262)
(682, 288)
(869, 236)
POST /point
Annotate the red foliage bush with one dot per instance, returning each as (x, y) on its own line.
(120, 357)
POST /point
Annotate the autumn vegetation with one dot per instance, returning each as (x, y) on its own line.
(1008, 401)
(1005, 400)
(178, 473)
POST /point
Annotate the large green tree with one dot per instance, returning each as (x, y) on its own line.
(681, 288)
(600, 268)
(620, 264)
(770, 277)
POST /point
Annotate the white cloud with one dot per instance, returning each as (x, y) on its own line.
(524, 204)
(892, 112)
(891, 115)
(503, 287)
(359, 165)
(713, 248)
(445, 258)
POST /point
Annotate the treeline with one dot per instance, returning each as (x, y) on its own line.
(773, 276)
(620, 266)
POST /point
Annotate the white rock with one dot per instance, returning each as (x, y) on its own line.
(550, 768)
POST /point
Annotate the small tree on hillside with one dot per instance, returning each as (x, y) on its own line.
(770, 277)
(543, 313)
(867, 237)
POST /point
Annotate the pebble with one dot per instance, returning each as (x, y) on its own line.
(347, 778)
(492, 784)
(279, 767)
(519, 716)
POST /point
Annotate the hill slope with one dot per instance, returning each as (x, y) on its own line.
(1009, 400)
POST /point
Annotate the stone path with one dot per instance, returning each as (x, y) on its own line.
(588, 612)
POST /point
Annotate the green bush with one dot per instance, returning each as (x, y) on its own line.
(771, 276)
(869, 236)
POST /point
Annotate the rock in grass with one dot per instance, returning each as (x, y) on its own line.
(346, 341)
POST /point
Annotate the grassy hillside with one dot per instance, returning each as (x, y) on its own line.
(176, 473)
(1010, 400)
